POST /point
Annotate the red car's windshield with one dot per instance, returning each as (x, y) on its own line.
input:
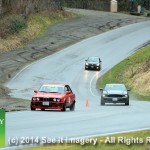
(52, 89)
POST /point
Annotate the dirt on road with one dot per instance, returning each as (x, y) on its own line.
(88, 23)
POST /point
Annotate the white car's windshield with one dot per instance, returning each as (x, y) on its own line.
(115, 87)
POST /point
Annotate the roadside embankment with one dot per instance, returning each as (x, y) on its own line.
(15, 31)
(134, 71)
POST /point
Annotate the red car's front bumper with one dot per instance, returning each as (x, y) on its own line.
(46, 105)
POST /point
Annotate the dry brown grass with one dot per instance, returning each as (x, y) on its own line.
(37, 25)
(141, 83)
(14, 41)
(138, 77)
(133, 71)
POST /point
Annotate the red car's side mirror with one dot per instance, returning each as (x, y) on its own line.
(68, 92)
(35, 91)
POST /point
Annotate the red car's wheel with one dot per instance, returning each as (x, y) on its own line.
(64, 107)
(32, 108)
(72, 108)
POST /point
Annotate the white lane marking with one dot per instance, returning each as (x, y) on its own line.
(92, 79)
(91, 86)
(113, 133)
(21, 71)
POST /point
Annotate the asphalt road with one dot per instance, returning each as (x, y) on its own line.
(67, 66)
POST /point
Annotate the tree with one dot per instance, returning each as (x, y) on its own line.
(1, 7)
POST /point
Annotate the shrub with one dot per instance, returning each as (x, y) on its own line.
(11, 25)
(17, 24)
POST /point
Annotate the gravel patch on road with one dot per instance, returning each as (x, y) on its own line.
(88, 23)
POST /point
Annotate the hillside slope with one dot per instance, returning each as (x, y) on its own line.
(133, 71)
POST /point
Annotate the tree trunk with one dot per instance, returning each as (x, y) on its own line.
(1, 7)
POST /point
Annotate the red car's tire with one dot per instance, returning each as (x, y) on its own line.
(32, 108)
(64, 107)
(72, 108)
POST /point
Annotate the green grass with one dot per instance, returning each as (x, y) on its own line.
(134, 72)
(45, 20)
(102, 144)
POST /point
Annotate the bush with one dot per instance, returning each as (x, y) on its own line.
(17, 24)
(11, 25)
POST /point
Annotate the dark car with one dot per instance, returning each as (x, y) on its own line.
(114, 93)
(93, 63)
(53, 96)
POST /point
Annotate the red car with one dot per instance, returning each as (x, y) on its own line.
(53, 96)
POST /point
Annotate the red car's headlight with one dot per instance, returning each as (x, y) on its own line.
(34, 98)
(54, 99)
(58, 99)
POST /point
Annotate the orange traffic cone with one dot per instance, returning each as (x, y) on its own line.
(87, 104)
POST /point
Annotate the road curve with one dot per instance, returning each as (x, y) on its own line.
(67, 66)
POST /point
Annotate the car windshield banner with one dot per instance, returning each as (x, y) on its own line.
(2, 128)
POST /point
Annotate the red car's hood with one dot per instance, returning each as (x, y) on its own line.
(50, 95)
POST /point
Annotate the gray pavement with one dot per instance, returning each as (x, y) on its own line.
(67, 66)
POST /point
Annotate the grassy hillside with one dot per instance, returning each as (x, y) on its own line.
(133, 71)
(16, 31)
